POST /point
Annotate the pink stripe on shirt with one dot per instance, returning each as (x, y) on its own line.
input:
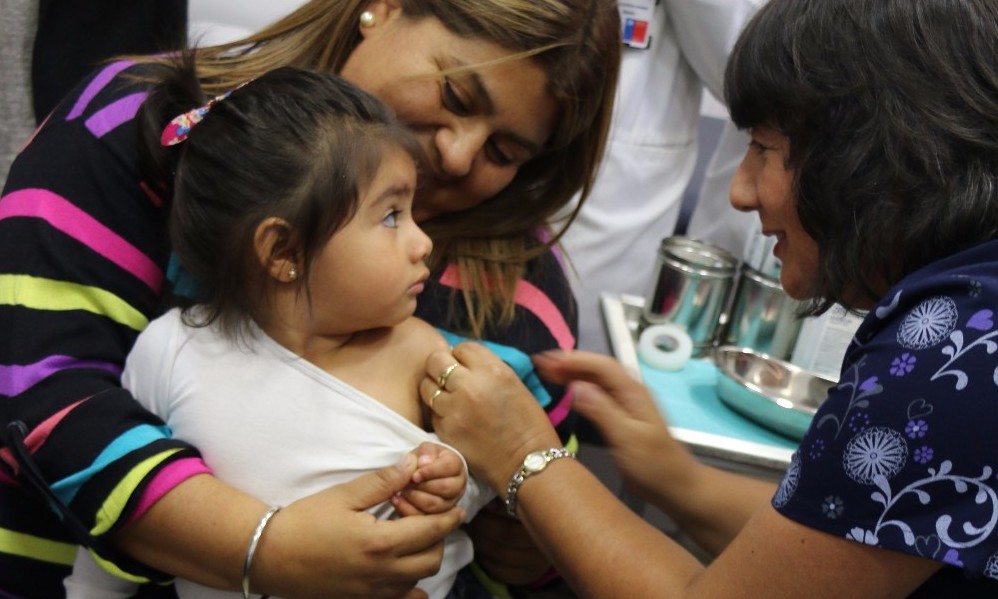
(38, 435)
(165, 481)
(532, 299)
(64, 216)
(560, 412)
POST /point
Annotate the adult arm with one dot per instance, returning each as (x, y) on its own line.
(546, 318)
(605, 550)
(80, 274)
(324, 545)
(709, 504)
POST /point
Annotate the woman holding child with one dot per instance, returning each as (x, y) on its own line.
(511, 101)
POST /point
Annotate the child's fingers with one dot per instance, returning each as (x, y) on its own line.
(428, 503)
(449, 488)
(427, 452)
(446, 465)
(404, 507)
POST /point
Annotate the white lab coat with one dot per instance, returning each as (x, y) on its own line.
(651, 158)
(213, 22)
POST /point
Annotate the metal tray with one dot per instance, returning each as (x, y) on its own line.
(621, 317)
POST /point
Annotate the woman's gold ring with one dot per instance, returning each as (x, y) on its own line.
(435, 395)
(442, 379)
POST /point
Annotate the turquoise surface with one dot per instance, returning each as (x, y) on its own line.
(688, 398)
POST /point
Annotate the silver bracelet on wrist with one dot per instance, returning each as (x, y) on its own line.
(534, 463)
(251, 550)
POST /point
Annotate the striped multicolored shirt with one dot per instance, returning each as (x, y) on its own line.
(83, 252)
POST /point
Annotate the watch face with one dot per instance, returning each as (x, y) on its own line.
(534, 461)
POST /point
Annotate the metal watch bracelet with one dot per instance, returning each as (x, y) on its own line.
(534, 463)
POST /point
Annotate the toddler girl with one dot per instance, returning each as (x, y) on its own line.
(296, 366)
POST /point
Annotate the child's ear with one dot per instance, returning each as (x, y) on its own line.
(273, 242)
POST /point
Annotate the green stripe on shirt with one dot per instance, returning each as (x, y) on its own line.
(60, 296)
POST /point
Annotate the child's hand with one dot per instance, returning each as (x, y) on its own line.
(437, 484)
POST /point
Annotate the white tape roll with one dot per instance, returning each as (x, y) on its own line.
(665, 346)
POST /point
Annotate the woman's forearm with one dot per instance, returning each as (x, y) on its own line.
(323, 545)
(710, 505)
(602, 548)
(198, 531)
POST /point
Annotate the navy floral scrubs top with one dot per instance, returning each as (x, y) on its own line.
(903, 454)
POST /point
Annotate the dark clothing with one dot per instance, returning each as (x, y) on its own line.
(74, 37)
(902, 454)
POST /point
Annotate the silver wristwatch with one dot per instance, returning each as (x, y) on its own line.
(535, 462)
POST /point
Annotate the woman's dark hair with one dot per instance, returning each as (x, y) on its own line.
(891, 110)
(292, 144)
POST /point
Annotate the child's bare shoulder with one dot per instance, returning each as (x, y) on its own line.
(417, 335)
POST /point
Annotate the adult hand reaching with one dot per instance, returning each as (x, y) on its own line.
(624, 412)
(485, 411)
(710, 505)
(324, 545)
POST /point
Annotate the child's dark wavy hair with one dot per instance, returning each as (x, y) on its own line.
(292, 144)
(891, 109)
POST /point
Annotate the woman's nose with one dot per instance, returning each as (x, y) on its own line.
(458, 146)
(742, 191)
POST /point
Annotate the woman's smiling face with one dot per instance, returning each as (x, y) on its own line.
(478, 125)
(764, 184)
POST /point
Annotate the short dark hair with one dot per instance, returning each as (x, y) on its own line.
(293, 144)
(891, 110)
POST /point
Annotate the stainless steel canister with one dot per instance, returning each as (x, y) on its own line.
(691, 286)
(762, 316)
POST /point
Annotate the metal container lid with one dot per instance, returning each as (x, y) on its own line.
(697, 257)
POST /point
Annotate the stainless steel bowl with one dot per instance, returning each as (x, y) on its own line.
(771, 392)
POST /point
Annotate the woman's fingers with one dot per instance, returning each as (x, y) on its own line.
(467, 363)
(485, 411)
(565, 367)
(619, 387)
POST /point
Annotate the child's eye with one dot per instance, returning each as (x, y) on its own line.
(391, 219)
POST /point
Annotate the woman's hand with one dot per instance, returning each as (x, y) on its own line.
(325, 545)
(626, 415)
(334, 538)
(486, 412)
(437, 484)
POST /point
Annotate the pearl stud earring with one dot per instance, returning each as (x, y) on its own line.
(367, 19)
(292, 273)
